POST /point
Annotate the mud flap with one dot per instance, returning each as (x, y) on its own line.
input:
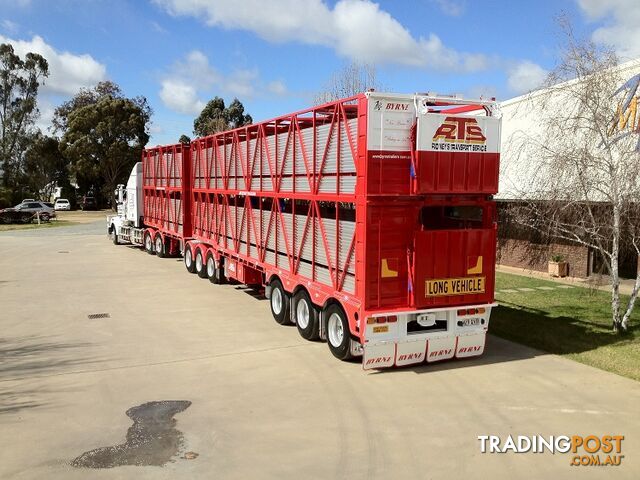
(441, 348)
(409, 353)
(470, 345)
(379, 356)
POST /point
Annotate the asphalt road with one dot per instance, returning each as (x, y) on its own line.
(193, 380)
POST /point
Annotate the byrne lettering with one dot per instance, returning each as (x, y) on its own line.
(454, 286)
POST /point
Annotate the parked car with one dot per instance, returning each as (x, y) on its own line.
(62, 204)
(46, 213)
(14, 215)
(88, 203)
(27, 200)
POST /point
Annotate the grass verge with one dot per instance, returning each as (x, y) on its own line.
(572, 322)
(31, 226)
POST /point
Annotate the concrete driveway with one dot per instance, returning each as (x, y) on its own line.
(243, 397)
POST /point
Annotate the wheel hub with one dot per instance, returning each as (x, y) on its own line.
(198, 262)
(210, 267)
(188, 259)
(335, 330)
(276, 301)
(302, 314)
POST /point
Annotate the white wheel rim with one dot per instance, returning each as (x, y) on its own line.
(147, 242)
(335, 330)
(276, 301)
(158, 244)
(210, 267)
(188, 259)
(198, 261)
(302, 313)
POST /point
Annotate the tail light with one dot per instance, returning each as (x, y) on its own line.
(389, 319)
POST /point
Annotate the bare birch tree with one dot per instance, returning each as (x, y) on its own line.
(582, 161)
(352, 79)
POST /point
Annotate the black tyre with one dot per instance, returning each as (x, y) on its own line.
(306, 315)
(201, 268)
(214, 273)
(279, 303)
(189, 264)
(338, 336)
(148, 243)
(158, 246)
(114, 235)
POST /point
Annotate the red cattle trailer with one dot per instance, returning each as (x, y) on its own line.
(369, 220)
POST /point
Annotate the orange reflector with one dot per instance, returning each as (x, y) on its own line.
(462, 312)
(371, 320)
(381, 319)
(392, 319)
(481, 310)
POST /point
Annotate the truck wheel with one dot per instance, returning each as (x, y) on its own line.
(338, 336)
(201, 268)
(279, 303)
(306, 315)
(159, 246)
(114, 235)
(189, 264)
(213, 273)
(148, 243)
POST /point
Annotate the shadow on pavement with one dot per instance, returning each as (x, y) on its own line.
(32, 357)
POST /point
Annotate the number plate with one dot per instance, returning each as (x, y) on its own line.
(468, 322)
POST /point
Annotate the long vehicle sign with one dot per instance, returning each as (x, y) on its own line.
(454, 286)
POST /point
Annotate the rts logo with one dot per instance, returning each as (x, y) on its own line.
(460, 130)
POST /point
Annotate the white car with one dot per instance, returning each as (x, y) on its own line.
(62, 204)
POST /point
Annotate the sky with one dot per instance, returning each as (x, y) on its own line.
(277, 55)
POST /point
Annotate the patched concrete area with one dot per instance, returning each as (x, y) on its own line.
(264, 403)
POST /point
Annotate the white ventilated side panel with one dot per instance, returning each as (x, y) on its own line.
(347, 162)
(286, 148)
(269, 168)
(349, 284)
(283, 261)
(286, 184)
(321, 253)
(323, 276)
(347, 230)
(306, 270)
(307, 247)
(307, 145)
(302, 184)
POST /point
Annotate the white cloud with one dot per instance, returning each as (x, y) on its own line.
(621, 18)
(180, 97)
(357, 29)
(190, 80)
(67, 72)
(9, 26)
(525, 76)
(453, 8)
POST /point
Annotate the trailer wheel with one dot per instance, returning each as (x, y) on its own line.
(201, 268)
(188, 259)
(279, 303)
(338, 337)
(114, 234)
(148, 243)
(212, 269)
(306, 315)
(159, 246)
